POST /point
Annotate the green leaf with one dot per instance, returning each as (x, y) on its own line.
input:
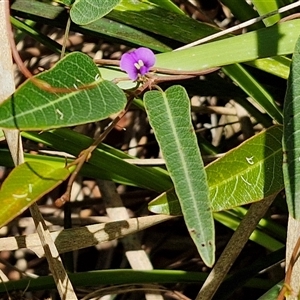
(85, 11)
(32, 108)
(106, 162)
(169, 116)
(243, 48)
(167, 5)
(273, 292)
(291, 138)
(2, 137)
(264, 7)
(248, 173)
(279, 39)
(257, 92)
(26, 184)
(243, 11)
(109, 29)
(65, 2)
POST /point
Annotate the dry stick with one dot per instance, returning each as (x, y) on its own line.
(66, 35)
(60, 276)
(137, 257)
(67, 240)
(7, 88)
(63, 283)
(234, 247)
(291, 285)
(240, 26)
(7, 80)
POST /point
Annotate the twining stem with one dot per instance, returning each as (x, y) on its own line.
(288, 275)
(86, 154)
(113, 62)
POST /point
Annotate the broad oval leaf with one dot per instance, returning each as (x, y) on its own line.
(291, 138)
(169, 116)
(32, 108)
(85, 11)
(248, 173)
(26, 184)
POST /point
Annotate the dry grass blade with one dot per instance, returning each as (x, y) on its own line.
(14, 142)
(82, 237)
(138, 259)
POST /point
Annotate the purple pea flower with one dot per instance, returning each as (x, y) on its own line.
(137, 62)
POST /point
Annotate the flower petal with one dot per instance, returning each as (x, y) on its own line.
(127, 64)
(146, 55)
(143, 70)
(137, 62)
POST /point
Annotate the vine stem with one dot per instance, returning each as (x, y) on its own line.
(85, 155)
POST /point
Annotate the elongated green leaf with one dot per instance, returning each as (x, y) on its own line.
(273, 292)
(258, 93)
(279, 66)
(291, 138)
(65, 2)
(166, 4)
(247, 47)
(243, 11)
(2, 137)
(26, 184)
(169, 116)
(246, 174)
(129, 5)
(32, 108)
(264, 7)
(279, 39)
(85, 11)
(106, 162)
(102, 27)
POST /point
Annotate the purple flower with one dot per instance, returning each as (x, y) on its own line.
(137, 62)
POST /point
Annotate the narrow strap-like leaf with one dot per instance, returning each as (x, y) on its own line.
(291, 137)
(169, 116)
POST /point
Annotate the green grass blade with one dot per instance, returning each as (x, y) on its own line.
(257, 236)
(107, 161)
(169, 116)
(167, 5)
(279, 39)
(255, 90)
(273, 292)
(291, 138)
(57, 16)
(264, 7)
(243, 12)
